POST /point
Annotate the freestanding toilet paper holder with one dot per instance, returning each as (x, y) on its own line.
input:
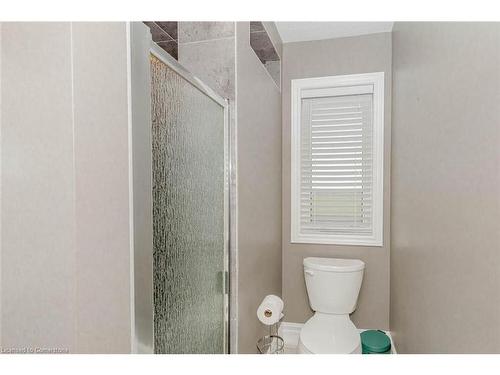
(272, 343)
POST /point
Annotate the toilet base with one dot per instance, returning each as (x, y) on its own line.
(329, 334)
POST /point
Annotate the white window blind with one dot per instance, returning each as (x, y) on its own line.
(336, 198)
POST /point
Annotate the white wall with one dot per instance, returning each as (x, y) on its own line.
(66, 235)
(38, 184)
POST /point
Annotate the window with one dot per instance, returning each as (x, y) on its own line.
(337, 159)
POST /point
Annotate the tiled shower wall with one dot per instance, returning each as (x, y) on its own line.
(207, 49)
(263, 46)
(164, 33)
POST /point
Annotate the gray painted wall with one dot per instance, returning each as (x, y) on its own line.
(66, 233)
(445, 256)
(258, 102)
(362, 54)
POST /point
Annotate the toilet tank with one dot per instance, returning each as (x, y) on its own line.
(333, 284)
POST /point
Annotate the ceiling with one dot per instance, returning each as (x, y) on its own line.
(303, 31)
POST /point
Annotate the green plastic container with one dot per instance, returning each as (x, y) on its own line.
(375, 342)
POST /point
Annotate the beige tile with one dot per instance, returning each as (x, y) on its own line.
(199, 31)
(213, 62)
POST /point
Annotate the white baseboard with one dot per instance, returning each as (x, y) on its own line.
(290, 333)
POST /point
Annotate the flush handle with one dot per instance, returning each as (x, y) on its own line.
(309, 272)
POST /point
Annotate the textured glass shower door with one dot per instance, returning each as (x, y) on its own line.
(190, 212)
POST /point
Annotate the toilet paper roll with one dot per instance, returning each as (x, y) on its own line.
(270, 310)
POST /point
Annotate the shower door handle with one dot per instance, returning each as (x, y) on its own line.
(223, 282)
(226, 282)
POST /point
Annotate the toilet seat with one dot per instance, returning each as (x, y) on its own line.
(329, 334)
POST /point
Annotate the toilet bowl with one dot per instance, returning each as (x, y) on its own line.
(333, 287)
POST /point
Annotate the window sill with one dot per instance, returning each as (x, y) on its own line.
(338, 240)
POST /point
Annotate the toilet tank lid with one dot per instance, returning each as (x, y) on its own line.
(334, 264)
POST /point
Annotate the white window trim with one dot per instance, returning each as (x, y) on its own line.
(299, 88)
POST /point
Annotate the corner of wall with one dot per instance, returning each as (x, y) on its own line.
(259, 205)
(1, 24)
(140, 151)
(275, 37)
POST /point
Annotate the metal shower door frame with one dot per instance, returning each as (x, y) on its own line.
(173, 64)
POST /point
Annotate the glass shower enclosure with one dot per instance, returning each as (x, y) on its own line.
(190, 211)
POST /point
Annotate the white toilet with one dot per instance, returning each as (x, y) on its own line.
(333, 287)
